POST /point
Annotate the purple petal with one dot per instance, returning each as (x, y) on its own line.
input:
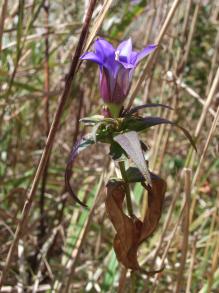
(144, 53)
(133, 57)
(103, 48)
(105, 90)
(122, 86)
(127, 65)
(92, 57)
(135, 2)
(124, 51)
(106, 52)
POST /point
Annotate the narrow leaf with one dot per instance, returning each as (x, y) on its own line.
(80, 145)
(135, 109)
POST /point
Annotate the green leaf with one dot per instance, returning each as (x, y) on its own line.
(140, 123)
(130, 142)
(135, 109)
(117, 152)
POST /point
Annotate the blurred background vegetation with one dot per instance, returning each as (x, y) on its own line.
(64, 247)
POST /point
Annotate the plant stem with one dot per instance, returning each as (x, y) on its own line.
(127, 190)
(133, 283)
(130, 211)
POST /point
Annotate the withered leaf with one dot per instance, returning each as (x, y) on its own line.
(131, 232)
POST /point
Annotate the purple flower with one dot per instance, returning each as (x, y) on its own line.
(135, 2)
(116, 67)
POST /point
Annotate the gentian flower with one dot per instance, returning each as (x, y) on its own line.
(116, 69)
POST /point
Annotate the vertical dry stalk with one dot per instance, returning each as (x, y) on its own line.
(2, 21)
(196, 176)
(184, 248)
(50, 141)
(214, 265)
(191, 32)
(179, 66)
(191, 154)
(98, 22)
(183, 211)
(166, 249)
(47, 124)
(70, 266)
(210, 134)
(42, 256)
(213, 62)
(190, 272)
(151, 58)
(165, 227)
(186, 18)
(207, 103)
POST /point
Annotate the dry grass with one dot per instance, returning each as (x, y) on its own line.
(49, 244)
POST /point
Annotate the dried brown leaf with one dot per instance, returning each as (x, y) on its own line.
(131, 232)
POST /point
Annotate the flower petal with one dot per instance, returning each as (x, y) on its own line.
(122, 86)
(92, 57)
(127, 65)
(124, 51)
(144, 53)
(103, 49)
(105, 89)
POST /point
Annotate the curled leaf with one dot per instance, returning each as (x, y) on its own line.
(142, 123)
(131, 232)
(78, 147)
(135, 109)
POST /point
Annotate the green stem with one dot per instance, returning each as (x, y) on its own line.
(127, 190)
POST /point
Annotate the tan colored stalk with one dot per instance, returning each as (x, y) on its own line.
(2, 21)
(170, 239)
(71, 264)
(164, 136)
(194, 94)
(151, 58)
(167, 249)
(213, 62)
(191, 33)
(191, 267)
(201, 160)
(214, 265)
(212, 229)
(165, 131)
(185, 230)
(165, 226)
(98, 22)
(207, 103)
(203, 154)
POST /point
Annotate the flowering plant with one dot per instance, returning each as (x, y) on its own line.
(116, 70)
(119, 128)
